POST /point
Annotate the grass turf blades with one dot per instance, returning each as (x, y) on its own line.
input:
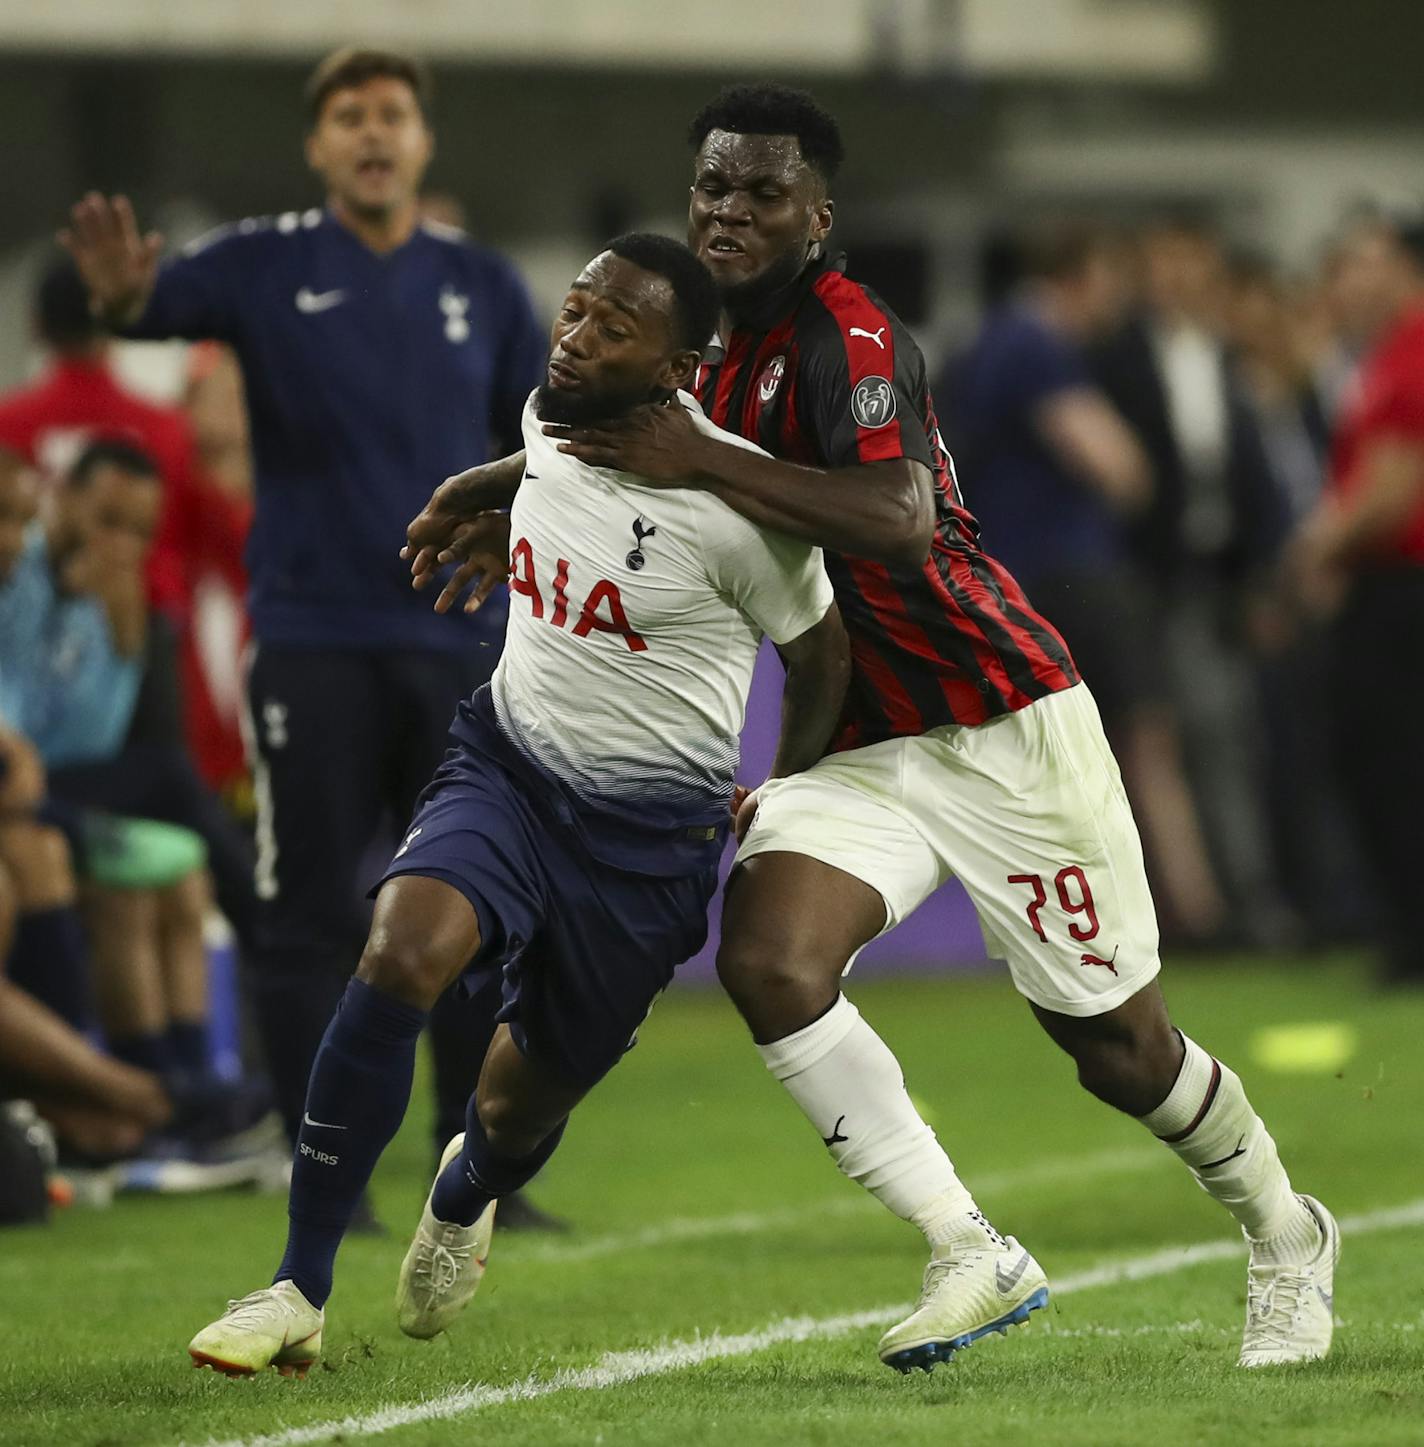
(726, 1285)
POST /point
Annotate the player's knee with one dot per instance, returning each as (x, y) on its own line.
(185, 904)
(773, 985)
(404, 965)
(1132, 1069)
(40, 863)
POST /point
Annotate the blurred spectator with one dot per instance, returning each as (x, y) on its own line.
(78, 400)
(214, 527)
(1052, 472)
(73, 615)
(1212, 518)
(131, 760)
(217, 412)
(73, 623)
(98, 1106)
(1270, 326)
(1360, 554)
(47, 948)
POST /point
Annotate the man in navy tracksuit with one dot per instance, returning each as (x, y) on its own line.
(378, 352)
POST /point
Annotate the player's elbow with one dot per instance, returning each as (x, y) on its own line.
(915, 547)
(910, 520)
(909, 534)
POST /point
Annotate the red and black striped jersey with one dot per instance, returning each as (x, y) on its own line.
(833, 380)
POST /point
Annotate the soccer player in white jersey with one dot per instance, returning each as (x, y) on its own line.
(569, 843)
(971, 749)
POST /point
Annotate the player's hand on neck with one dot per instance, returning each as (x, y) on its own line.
(656, 441)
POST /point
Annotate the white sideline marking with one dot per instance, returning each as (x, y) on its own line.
(1197, 1327)
(752, 1223)
(618, 1368)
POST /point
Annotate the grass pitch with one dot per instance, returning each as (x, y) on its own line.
(724, 1284)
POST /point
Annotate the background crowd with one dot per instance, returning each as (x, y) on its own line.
(1205, 467)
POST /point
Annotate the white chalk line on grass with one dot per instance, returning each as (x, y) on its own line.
(1197, 1327)
(618, 1368)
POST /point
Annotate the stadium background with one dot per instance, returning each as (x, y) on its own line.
(964, 118)
(559, 123)
(958, 112)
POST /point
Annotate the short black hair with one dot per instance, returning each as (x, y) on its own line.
(111, 452)
(62, 308)
(769, 109)
(696, 293)
(353, 66)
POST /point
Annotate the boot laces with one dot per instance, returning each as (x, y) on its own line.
(256, 1308)
(1275, 1300)
(442, 1265)
(943, 1269)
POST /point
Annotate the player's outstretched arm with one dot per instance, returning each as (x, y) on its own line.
(444, 532)
(817, 675)
(878, 510)
(118, 264)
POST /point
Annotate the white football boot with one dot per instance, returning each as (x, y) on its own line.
(1290, 1307)
(275, 1327)
(443, 1267)
(967, 1293)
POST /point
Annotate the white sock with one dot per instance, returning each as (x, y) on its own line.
(1207, 1120)
(851, 1088)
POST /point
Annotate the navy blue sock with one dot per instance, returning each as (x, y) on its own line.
(50, 960)
(477, 1176)
(149, 1051)
(356, 1099)
(188, 1041)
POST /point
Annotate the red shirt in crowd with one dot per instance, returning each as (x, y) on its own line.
(78, 401)
(1385, 404)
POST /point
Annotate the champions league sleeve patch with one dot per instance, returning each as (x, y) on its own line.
(872, 404)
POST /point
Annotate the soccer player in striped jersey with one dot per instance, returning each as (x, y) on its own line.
(969, 748)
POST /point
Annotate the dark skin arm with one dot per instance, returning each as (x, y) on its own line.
(817, 674)
(878, 510)
(462, 524)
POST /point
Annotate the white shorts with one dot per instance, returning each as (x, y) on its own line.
(1027, 811)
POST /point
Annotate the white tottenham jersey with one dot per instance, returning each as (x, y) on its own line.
(634, 620)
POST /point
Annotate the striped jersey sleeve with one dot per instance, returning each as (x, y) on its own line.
(861, 401)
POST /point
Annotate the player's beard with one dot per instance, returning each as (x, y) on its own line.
(584, 409)
(746, 297)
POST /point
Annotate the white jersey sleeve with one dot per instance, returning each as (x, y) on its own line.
(777, 582)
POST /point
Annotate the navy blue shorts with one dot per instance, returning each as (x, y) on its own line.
(584, 949)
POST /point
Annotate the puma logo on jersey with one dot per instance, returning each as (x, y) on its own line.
(1109, 964)
(636, 558)
(409, 840)
(870, 336)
